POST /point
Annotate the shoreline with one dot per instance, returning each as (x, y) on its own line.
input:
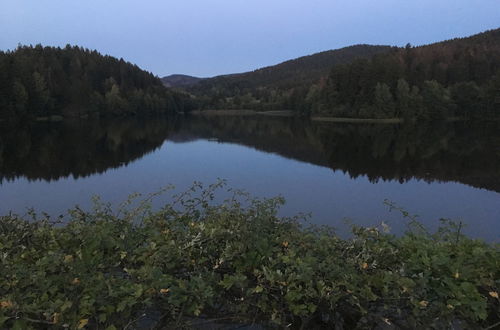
(326, 119)
(359, 120)
(277, 113)
(289, 113)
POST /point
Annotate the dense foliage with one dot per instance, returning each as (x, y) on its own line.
(459, 77)
(43, 81)
(239, 261)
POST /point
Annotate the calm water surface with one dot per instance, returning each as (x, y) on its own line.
(333, 171)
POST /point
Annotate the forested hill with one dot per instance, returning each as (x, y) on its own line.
(459, 77)
(301, 70)
(269, 87)
(72, 81)
(454, 78)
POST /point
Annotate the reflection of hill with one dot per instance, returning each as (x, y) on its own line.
(458, 152)
(50, 151)
(461, 152)
(453, 152)
(282, 136)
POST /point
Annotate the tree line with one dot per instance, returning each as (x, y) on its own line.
(38, 81)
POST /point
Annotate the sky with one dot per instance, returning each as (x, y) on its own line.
(210, 37)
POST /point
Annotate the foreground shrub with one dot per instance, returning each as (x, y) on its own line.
(238, 261)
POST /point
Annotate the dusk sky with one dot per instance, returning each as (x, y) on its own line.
(211, 37)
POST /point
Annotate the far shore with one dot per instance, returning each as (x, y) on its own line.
(280, 113)
(359, 120)
(289, 113)
(272, 113)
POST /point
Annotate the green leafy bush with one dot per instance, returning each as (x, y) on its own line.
(240, 261)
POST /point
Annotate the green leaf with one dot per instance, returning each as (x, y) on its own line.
(258, 289)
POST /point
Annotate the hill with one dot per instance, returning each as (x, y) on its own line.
(303, 69)
(72, 81)
(453, 78)
(459, 77)
(179, 80)
(268, 88)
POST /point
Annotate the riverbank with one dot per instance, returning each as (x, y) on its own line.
(245, 265)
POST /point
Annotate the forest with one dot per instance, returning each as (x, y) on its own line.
(458, 78)
(454, 78)
(37, 81)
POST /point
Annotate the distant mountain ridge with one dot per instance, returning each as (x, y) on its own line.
(179, 80)
(305, 69)
(310, 67)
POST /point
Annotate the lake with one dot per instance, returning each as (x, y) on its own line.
(335, 171)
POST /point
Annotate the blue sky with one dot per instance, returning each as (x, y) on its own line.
(211, 37)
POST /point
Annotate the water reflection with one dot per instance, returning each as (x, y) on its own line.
(468, 153)
(50, 151)
(463, 152)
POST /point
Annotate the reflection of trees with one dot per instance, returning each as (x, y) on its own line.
(462, 152)
(79, 148)
(441, 152)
